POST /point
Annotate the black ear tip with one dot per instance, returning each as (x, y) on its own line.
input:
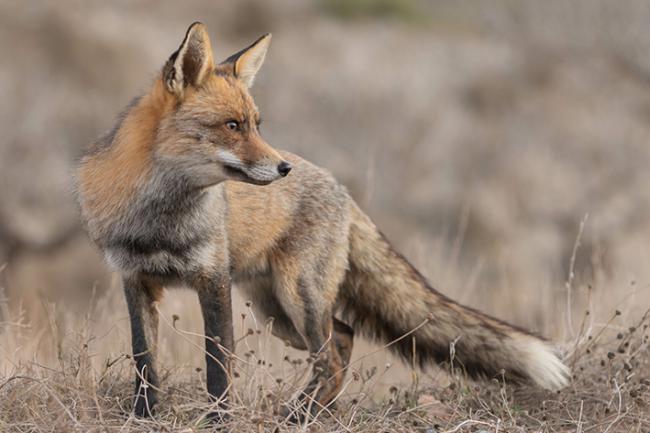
(195, 26)
(265, 36)
(190, 29)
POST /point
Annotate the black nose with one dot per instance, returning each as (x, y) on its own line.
(284, 168)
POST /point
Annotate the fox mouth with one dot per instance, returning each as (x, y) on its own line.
(237, 173)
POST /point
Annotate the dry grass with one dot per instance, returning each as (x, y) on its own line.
(75, 374)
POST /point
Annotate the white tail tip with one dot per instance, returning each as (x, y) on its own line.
(543, 365)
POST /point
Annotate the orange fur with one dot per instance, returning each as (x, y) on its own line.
(110, 178)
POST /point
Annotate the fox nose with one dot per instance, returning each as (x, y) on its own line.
(284, 168)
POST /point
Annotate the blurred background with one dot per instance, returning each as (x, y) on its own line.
(478, 136)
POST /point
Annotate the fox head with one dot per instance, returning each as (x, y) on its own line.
(213, 131)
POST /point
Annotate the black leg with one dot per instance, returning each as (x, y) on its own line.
(140, 299)
(215, 299)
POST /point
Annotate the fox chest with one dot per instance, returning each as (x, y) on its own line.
(164, 257)
(174, 245)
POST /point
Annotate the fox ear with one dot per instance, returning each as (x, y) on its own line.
(248, 61)
(191, 63)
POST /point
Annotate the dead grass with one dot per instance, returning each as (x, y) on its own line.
(84, 384)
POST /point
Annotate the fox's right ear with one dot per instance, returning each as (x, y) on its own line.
(191, 63)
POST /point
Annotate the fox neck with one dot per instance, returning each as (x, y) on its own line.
(169, 195)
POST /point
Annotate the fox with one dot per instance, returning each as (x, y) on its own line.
(184, 191)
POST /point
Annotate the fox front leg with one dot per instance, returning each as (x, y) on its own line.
(215, 299)
(141, 297)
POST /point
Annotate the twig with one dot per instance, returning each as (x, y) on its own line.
(620, 404)
(571, 277)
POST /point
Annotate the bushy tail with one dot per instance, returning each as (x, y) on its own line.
(385, 297)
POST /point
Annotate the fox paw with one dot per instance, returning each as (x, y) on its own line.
(144, 405)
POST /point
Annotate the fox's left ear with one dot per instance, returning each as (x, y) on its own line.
(248, 61)
(191, 63)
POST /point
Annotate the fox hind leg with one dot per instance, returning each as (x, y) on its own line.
(343, 336)
(331, 364)
(308, 266)
(307, 304)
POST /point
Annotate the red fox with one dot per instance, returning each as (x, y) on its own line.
(175, 195)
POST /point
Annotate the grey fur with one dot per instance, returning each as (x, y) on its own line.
(166, 228)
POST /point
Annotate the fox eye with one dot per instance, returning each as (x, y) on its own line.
(233, 125)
